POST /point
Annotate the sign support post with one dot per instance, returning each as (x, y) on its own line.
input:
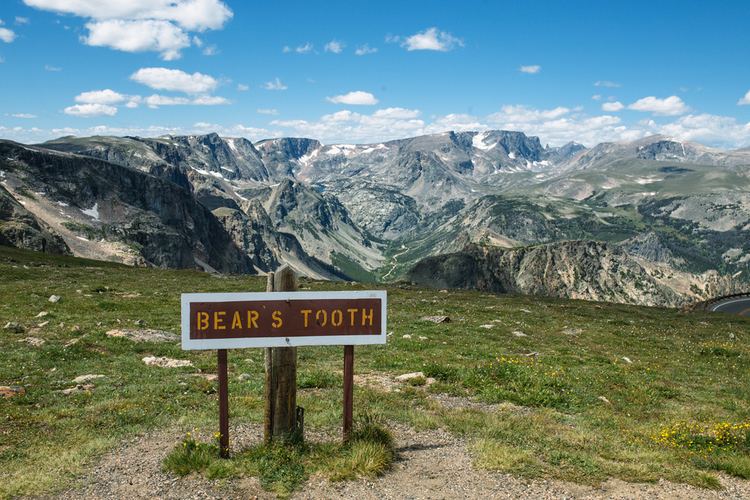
(348, 390)
(223, 404)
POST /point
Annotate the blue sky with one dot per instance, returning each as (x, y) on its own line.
(368, 71)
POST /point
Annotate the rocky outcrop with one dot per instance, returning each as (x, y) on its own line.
(157, 218)
(574, 269)
(20, 228)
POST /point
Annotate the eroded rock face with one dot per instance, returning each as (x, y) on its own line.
(573, 269)
(20, 228)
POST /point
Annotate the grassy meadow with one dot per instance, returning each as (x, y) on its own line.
(579, 391)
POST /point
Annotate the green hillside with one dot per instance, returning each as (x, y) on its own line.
(571, 390)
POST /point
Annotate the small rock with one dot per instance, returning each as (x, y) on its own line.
(139, 322)
(11, 391)
(422, 338)
(437, 319)
(14, 327)
(244, 377)
(42, 324)
(78, 388)
(75, 328)
(525, 310)
(211, 377)
(532, 354)
(602, 398)
(443, 291)
(54, 299)
(406, 336)
(409, 376)
(572, 331)
(627, 360)
(519, 333)
(79, 291)
(72, 342)
(487, 326)
(731, 336)
(164, 362)
(33, 341)
(82, 379)
(145, 335)
(42, 314)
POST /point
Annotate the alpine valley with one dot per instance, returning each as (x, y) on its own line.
(654, 222)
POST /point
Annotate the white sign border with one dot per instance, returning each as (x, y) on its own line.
(318, 340)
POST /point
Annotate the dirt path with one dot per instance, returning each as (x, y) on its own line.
(430, 464)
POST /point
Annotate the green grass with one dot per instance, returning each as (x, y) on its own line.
(282, 468)
(551, 420)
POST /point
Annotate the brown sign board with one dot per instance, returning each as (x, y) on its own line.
(281, 319)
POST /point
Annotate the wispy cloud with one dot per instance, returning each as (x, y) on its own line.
(335, 47)
(532, 69)
(52, 69)
(267, 111)
(275, 84)
(364, 50)
(607, 84)
(305, 48)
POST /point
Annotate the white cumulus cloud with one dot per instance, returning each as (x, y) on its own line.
(88, 110)
(669, 106)
(744, 100)
(7, 35)
(612, 107)
(106, 96)
(142, 25)
(430, 39)
(175, 80)
(356, 97)
(267, 111)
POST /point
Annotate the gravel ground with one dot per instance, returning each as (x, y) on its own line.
(431, 464)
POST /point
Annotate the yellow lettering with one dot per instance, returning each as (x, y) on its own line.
(277, 322)
(334, 314)
(252, 319)
(306, 313)
(219, 320)
(352, 313)
(236, 321)
(202, 320)
(321, 317)
(367, 317)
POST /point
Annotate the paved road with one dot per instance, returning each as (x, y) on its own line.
(738, 305)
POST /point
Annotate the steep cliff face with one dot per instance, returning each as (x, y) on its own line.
(572, 269)
(97, 203)
(20, 228)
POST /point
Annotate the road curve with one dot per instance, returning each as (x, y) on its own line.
(736, 305)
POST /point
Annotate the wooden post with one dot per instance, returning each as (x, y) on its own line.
(223, 404)
(268, 410)
(348, 390)
(281, 375)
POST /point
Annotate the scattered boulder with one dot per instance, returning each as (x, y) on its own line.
(42, 314)
(627, 360)
(406, 336)
(211, 377)
(54, 299)
(604, 400)
(422, 337)
(42, 324)
(75, 328)
(14, 327)
(487, 326)
(82, 379)
(244, 377)
(143, 335)
(164, 362)
(408, 376)
(518, 333)
(139, 322)
(77, 389)
(437, 319)
(571, 331)
(33, 341)
(11, 391)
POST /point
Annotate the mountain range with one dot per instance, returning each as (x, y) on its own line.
(656, 221)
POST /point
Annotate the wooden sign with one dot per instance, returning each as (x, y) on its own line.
(282, 319)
